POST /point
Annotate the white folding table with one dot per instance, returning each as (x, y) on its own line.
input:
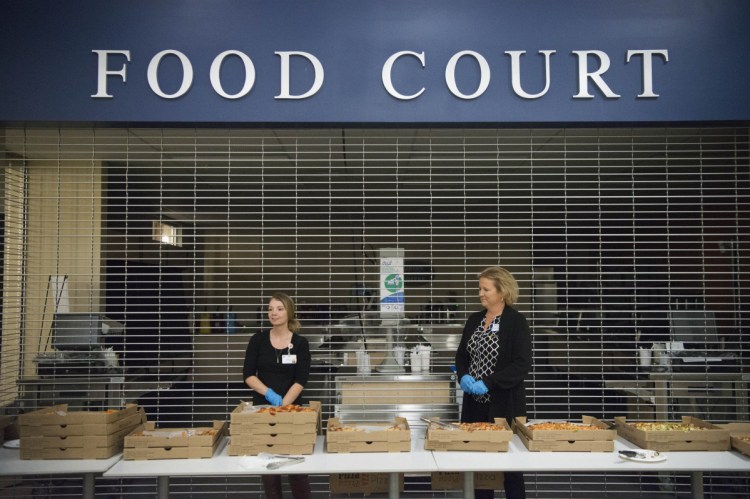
(520, 459)
(318, 463)
(12, 465)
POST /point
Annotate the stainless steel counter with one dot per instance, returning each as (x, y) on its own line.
(382, 397)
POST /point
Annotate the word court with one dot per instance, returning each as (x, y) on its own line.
(591, 69)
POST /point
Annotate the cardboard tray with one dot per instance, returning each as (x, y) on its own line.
(374, 440)
(90, 441)
(460, 440)
(246, 440)
(713, 438)
(58, 415)
(449, 480)
(173, 443)
(741, 446)
(247, 422)
(155, 453)
(601, 440)
(69, 452)
(736, 432)
(239, 449)
(69, 430)
(362, 483)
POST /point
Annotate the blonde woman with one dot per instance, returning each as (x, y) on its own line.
(493, 360)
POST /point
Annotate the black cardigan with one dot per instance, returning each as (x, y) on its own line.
(506, 383)
(265, 362)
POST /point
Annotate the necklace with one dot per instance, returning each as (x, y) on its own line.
(278, 351)
(489, 322)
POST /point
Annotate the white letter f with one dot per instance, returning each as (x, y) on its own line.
(102, 73)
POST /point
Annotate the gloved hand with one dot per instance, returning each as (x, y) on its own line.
(273, 397)
(479, 388)
(467, 382)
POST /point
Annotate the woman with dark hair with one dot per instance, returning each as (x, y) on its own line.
(492, 361)
(277, 366)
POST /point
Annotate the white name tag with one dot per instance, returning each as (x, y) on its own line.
(288, 359)
(495, 327)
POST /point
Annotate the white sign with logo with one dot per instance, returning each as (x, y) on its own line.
(392, 300)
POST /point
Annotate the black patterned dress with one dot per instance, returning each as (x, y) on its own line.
(484, 347)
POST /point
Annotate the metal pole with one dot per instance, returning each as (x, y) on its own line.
(88, 486)
(393, 486)
(696, 484)
(468, 485)
(162, 487)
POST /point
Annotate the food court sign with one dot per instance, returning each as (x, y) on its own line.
(337, 61)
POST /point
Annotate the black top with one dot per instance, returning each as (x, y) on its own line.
(267, 363)
(507, 393)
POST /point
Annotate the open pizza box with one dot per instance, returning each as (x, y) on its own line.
(148, 442)
(59, 415)
(739, 434)
(480, 437)
(593, 435)
(393, 436)
(264, 420)
(664, 436)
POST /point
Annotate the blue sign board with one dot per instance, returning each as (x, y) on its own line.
(374, 61)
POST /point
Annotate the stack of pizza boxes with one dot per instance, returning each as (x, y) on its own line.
(393, 436)
(148, 442)
(57, 433)
(288, 429)
(479, 437)
(689, 434)
(590, 435)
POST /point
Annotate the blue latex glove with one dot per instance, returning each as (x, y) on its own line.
(273, 397)
(479, 388)
(467, 382)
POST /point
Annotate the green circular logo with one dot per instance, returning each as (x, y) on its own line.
(393, 283)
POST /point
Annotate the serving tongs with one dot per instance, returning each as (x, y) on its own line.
(280, 460)
(446, 426)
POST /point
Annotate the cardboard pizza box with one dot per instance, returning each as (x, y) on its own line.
(362, 483)
(241, 449)
(393, 436)
(454, 438)
(600, 439)
(249, 419)
(59, 415)
(147, 442)
(708, 437)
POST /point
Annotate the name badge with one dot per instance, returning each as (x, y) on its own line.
(288, 359)
(495, 327)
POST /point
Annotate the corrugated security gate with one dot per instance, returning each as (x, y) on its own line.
(625, 241)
